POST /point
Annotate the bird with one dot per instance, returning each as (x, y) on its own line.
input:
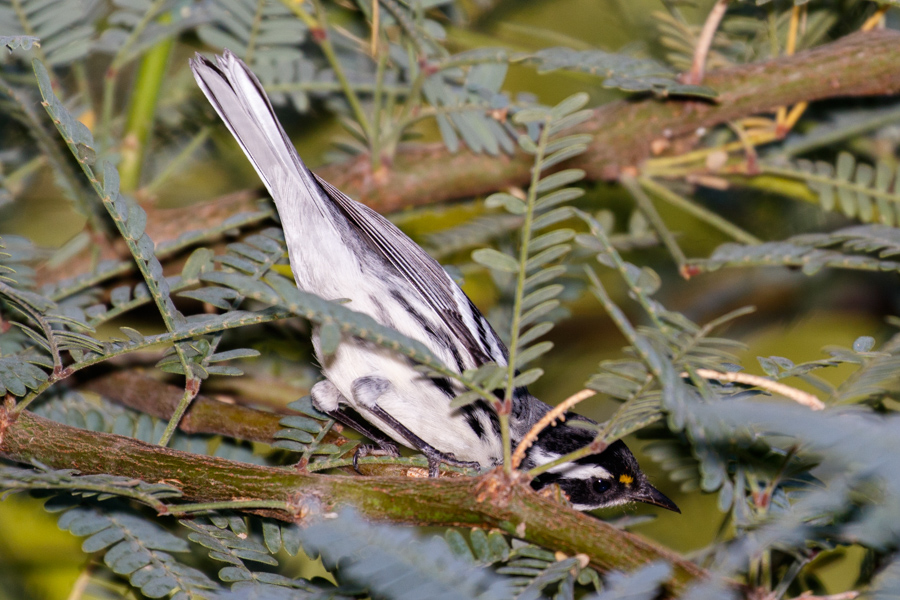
(341, 249)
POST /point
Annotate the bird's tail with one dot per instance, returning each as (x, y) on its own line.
(239, 98)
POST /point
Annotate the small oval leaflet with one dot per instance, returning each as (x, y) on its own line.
(494, 259)
(329, 338)
(864, 343)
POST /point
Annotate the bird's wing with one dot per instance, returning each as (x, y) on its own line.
(432, 282)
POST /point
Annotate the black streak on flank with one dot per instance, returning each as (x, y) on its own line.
(427, 326)
(443, 384)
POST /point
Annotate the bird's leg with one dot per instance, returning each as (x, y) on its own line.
(328, 399)
(367, 390)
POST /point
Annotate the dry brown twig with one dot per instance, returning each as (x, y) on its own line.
(798, 396)
(704, 43)
(558, 412)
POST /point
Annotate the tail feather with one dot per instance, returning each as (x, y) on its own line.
(239, 98)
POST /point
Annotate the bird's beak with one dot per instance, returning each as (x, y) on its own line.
(650, 495)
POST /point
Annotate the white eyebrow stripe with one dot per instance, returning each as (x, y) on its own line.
(575, 471)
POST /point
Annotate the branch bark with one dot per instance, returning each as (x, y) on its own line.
(205, 415)
(486, 501)
(861, 64)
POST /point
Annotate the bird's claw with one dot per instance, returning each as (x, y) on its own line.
(382, 449)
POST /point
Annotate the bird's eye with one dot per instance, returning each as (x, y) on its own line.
(601, 486)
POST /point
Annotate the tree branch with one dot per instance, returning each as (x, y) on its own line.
(143, 393)
(486, 501)
(861, 64)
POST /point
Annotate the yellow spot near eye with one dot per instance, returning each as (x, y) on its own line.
(626, 479)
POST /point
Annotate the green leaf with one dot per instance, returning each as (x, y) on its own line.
(537, 312)
(551, 218)
(551, 238)
(559, 179)
(538, 296)
(110, 180)
(535, 332)
(559, 143)
(245, 285)
(395, 563)
(536, 114)
(864, 344)
(548, 255)
(295, 435)
(548, 274)
(558, 197)
(527, 144)
(136, 221)
(18, 375)
(561, 156)
(508, 201)
(494, 259)
(528, 377)
(648, 281)
(217, 296)
(523, 357)
(196, 262)
(301, 423)
(569, 105)
(569, 122)
(329, 338)
(464, 399)
(233, 354)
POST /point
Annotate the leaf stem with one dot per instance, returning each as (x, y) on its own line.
(521, 275)
(704, 214)
(122, 58)
(254, 31)
(324, 41)
(377, 99)
(144, 101)
(185, 333)
(189, 509)
(180, 161)
(704, 43)
(645, 205)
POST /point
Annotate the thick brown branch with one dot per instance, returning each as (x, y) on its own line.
(140, 392)
(136, 390)
(862, 64)
(486, 501)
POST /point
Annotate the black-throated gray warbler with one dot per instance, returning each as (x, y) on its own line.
(339, 248)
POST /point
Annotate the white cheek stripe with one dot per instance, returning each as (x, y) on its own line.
(571, 470)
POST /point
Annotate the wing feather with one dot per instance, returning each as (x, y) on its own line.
(426, 275)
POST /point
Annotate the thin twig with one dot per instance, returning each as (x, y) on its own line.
(841, 596)
(645, 205)
(785, 121)
(698, 66)
(550, 418)
(376, 26)
(799, 396)
(876, 20)
(700, 212)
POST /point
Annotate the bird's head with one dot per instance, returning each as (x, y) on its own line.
(610, 478)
